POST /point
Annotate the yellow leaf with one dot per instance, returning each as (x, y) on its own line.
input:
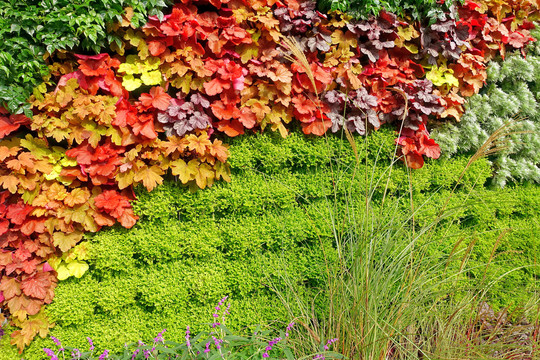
(151, 78)
(152, 63)
(124, 179)
(183, 83)
(150, 176)
(127, 67)
(130, 83)
(77, 268)
(182, 170)
(63, 272)
(204, 175)
(222, 171)
(247, 52)
(66, 241)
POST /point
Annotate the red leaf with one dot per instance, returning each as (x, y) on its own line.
(215, 86)
(145, 129)
(317, 127)
(36, 285)
(4, 226)
(230, 127)
(157, 98)
(429, 147)
(11, 123)
(247, 117)
(31, 226)
(17, 213)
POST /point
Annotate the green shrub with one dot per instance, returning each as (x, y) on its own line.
(418, 9)
(31, 28)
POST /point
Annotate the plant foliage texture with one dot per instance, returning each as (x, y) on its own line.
(189, 249)
(32, 30)
(171, 88)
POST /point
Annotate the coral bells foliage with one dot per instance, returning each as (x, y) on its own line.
(103, 124)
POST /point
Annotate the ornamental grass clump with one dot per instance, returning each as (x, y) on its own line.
(398, 285)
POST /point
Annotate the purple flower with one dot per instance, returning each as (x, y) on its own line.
(56, 341)
(217, 342)
(207, 350)
(135, 354)
(51, 354)
(271, 343)
(146, 354)
(91, 343)
(159, 337)
(265, 355)
(76, 354)
(104, 356)
(187, 337)
(329, 342)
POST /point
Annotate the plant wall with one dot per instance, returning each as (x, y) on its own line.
(166, 95)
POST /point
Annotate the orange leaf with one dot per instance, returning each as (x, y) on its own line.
(230, 127)
(36, 285)
(10, 287)
(66, 241)
(317, 127)
(219, 151)
(149, 176)
(157, 98)
(198, 143)
(215, 86)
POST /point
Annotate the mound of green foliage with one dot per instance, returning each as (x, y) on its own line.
(31, 29)
(513, 90)
(271, 224)
(430, 10)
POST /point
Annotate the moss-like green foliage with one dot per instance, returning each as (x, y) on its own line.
(418, 9)
(31, 28)
(239, 239)
(513, 90)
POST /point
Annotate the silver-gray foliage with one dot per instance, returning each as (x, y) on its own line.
(512, 90)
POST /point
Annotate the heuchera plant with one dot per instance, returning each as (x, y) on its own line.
(104, 123)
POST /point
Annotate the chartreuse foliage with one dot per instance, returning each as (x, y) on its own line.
(513, 90)
(188, 250)
(157, 103)
(33, 29)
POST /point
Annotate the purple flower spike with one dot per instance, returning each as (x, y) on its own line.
(51, 354)
(56, 341)
(159, 337)
(329, 342)
(104, 356)
(146, 354)
(187, 337)
(135, 354)
(207, 350)
(76, 354)
(265, 355)
(91, 343)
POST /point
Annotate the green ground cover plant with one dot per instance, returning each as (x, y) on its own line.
(189, 249)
